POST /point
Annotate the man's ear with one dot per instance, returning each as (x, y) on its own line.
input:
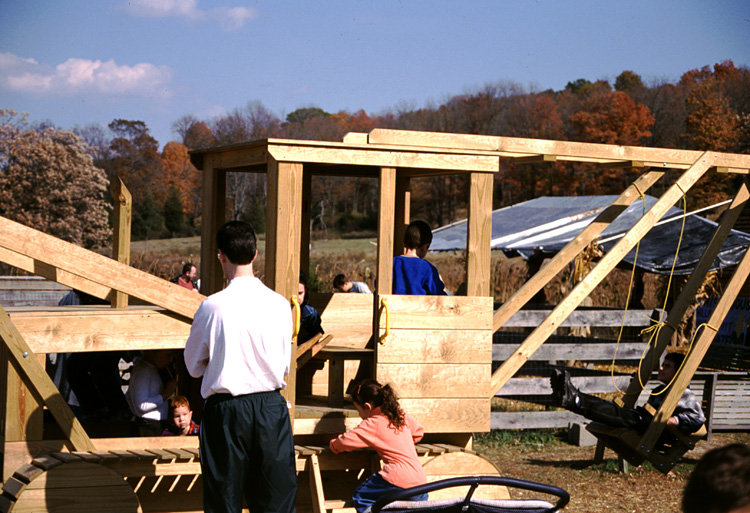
(254, 256)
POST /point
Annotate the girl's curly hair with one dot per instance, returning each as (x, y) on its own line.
(370, 391)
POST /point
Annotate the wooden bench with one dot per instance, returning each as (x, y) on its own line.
(336, 356)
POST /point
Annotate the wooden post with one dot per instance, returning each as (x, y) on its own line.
(283, 236)
(386, 221)
(214, 204)
(569, 252)
(37, 381)
(479, 235)
(306, 228)
(402, 216)
(601, 271)
(687, 297)
(123, 208)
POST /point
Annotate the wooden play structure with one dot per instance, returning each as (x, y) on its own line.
(436, 350)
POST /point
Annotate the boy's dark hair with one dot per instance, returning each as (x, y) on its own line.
(720, 481)
(675, 358)
(417, 234)
(339, 280)
(186, 268)
(236, 239)
(370, 391)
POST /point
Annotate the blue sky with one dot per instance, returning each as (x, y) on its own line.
(76, 62)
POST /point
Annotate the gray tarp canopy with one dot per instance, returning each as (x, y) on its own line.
(549, 223)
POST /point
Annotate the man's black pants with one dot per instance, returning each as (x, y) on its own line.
(247, 449)
(607, 412)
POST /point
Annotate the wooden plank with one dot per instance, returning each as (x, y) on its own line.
(466, 415)
(595, 317)
(22, 411)
(602, 269)
(122, 211)
(437, 346)
(46, 462)
(661, 157)
(348, 317)
(41, 385)
(27, 473)
(541, 386)
(52, 273)
(479, 235)
(13, 487)
(98, 268)
(99, 328)
(436, 380)
(386, 230)
(402, 213)
(533, 419)
(574, 247)
(439, 312)
(689, 290)
(379, 158)
(586, 352)
(316, 484)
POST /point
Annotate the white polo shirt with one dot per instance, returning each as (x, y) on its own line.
(240, 341)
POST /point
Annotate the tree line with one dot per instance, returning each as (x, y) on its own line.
(707, 109)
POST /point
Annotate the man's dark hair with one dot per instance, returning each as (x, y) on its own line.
(236, 239)
(339, 280)
(675, 358)
(186, 268)
(720, 481)
(417, 234)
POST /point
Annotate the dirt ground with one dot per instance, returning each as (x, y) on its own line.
(598, 488)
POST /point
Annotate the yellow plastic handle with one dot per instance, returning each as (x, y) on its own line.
(384, 306)
(297, 317)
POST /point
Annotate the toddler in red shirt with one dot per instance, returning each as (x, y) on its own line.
(392, 433)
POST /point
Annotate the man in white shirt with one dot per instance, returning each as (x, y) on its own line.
(240, 342)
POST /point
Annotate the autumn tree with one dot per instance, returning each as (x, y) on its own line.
(612, 118)
(174, 217)
(180, 173)
(48, 181)
(136, 160)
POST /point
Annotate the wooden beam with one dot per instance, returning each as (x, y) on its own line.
(213, 208)
(602, 269)
(97, 328)
(52, 273)
(534, 159)
(305, 224)
(39, 383)
(664, 157)
(624, 164)
(687, 296)
(696, 354)
(479, 235)
(563, 258)
(98, 268)
(386, 222)
(123, 208)
(403, 158)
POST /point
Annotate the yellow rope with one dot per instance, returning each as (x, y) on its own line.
(654, 330)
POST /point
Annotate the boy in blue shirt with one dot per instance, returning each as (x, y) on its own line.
(411, 273)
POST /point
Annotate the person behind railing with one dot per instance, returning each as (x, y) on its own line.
(392, 433)
(180, 418)
(687, 416)
(147, 394)
(412, 274)
(309, 325)
(343, 284)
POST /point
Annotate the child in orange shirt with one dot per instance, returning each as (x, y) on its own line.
(392, 433)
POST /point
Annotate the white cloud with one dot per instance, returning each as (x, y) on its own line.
(230, 18)
(79, 76)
